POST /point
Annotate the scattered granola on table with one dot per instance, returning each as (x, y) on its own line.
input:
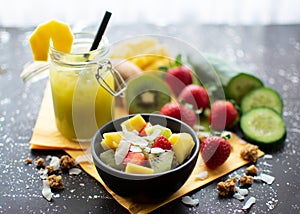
(246, 180)
(49, 169)
(227, 187)
(250, 153)
(66, 162)
(40, 162)
(28, 161)
(55, 181)
(251, 170)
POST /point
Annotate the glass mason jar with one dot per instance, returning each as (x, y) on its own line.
(82, 84)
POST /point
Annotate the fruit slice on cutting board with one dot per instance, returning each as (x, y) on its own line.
(59, 33)
(146, 94)
(182, 144)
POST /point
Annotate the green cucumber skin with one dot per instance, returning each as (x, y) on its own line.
(276, 126)
(236, 90)
(262, 97)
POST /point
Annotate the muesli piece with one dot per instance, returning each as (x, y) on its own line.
(251, 170)
(55, 181)
(227, 187)
(49, 169)
(66, 162)
(40, 162)
(250, 153)
(246, 180)
(28, 161)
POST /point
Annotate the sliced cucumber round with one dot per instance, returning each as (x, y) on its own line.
(241, 84)
(263, 125)
(262, 97)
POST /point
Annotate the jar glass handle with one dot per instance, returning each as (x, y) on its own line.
(120, 84)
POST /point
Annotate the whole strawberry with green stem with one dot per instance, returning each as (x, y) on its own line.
(215, 151)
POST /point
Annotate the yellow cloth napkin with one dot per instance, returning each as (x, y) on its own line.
(46, 136)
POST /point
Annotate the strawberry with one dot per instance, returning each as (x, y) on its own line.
(177, 78)
(179, 112)
(162, 142)
(135, 157)
(143, 130)
(215, 151)
(195, 95)
(222, 115)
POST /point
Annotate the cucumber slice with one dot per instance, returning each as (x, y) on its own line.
(263, 125)
(241, 84)
(262, 97)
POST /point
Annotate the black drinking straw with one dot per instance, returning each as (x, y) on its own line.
(101, 30)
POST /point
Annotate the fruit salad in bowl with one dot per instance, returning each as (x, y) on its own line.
(145, 156)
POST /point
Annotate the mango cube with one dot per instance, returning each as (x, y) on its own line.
(138, 169)
(137, 122)
(111, 140)
(60, 34)
(182, 145)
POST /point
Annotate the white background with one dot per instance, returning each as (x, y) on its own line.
(24, 13)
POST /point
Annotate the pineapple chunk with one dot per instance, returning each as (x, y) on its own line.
(111, 140)
(135, 123)
(60, 34)
(138, 169)
(182, 145)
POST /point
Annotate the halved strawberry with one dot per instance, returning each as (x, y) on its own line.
(215, 151)
(135, 157)
(162, 142)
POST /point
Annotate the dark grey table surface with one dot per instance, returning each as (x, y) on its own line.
(270, 52)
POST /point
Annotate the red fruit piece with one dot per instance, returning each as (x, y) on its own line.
(222, 115)
(135, 157)
(215, 151)
(177, 78)
(143, 130)
(195, 95)
(162, 142)
(179, 112)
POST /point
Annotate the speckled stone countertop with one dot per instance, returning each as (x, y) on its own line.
(270, 52)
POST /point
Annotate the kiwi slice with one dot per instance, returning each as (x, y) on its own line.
(161, 162)
(146, 93)
(108, 157)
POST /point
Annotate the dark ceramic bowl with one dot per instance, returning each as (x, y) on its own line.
(140, 187)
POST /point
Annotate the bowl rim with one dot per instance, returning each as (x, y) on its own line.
(130, 176)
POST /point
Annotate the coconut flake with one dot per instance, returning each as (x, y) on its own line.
(202, 175)
(46, 192)
(83, 159)
(54, 163)
(267, 156)
(265, 178)
(121, 151)
(190, 201)
(238, 196)
(43, 173)
(135, 149)
(157, 150)
(242, 191)
(249, 203)
(153, 135)
(74, 171)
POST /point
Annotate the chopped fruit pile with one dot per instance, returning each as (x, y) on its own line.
(145, 148)
(58, 32)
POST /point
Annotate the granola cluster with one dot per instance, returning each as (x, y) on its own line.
(66, 162)
(250, 153)
(40, 162)
(227, 187)
(246, 180)
(251, 170)
(55, 181)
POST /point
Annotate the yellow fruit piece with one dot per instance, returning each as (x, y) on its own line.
(137, 122)
(182, 145)
(111, 140)
(60, 34)
(138, 169)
